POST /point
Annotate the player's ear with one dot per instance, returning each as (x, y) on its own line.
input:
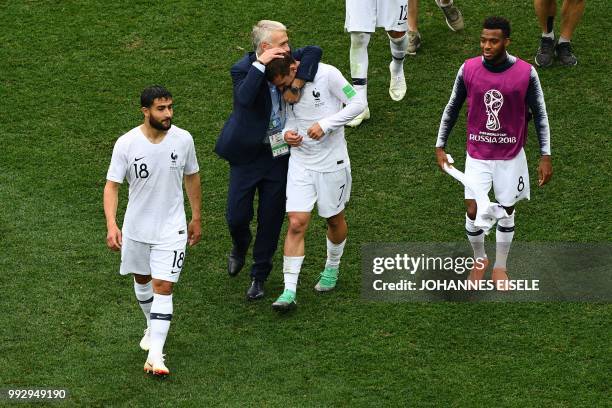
(507, 42)
(144, 110)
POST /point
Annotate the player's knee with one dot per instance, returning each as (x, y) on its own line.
(360, 40)
(297, 225)
(142, 279)
(470, 209)
(336, 221)
(162, 287)
(396, 34)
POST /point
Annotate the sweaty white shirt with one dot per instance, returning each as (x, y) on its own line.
(155, 212)
(322, 101)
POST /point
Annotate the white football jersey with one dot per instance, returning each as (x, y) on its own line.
(322, 101)
(155, 212)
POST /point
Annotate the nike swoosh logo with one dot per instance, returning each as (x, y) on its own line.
(139, 158)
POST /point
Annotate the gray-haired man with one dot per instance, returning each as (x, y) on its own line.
(250, 142)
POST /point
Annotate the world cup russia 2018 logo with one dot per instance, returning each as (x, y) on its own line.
(493, 100)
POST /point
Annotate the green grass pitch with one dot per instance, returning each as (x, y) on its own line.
(70, 76)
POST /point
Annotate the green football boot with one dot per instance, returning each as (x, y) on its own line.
(328, 280)
(285, 301)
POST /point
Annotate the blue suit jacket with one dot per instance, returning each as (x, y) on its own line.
(242, 136)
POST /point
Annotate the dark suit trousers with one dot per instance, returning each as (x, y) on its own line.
(267, 176)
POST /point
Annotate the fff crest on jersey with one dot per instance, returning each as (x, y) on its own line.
(316, 94)
(173, 157)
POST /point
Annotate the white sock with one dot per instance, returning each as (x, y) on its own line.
(144, 294)
(550, 35)
(398, 52)
(444, 3)
(359, 63)
(563, 40)
(334, 253)
(476, 236)
(161, 315)
(503, 240)
(291, 271)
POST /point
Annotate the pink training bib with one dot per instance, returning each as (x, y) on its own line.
(497, 109)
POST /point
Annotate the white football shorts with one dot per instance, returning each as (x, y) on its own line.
(161, 261)
(510, 178)
(366, 15)
(331, 191)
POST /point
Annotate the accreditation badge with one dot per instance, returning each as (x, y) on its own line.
(278, 145)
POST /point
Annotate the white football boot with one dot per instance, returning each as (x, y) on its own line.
(156, 366)
(365, 115)
(145, 342)
(397, 85)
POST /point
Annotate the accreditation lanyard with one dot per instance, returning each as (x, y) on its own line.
(277, 120)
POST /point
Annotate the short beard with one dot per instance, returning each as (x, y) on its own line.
(159, 125)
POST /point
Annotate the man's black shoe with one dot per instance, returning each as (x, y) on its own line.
(565, 55)
(546, 52)
(256, 291)
(234, 264)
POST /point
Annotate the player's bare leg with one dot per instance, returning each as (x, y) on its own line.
(292, 259)
(414, 37)
(337, 231)
(337, 228)
(161, 315)
(143, 288)
(545, 12)
(571, 13)
(398, 42)
(503, 241)
(545, 9)
(298, 224)
(476, 236)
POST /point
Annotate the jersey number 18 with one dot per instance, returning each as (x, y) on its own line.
(141, 172)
